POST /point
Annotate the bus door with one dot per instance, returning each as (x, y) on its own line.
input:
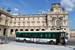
(33, 37)
(57, 38)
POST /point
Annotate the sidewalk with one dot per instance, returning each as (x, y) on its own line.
(13, 47)
(32, 46)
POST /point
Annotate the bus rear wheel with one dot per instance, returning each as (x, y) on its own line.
(51, 42)
(24, 41)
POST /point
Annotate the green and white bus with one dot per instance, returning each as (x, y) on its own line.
(42, 36)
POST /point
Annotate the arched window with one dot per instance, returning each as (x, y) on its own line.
(16, 30)
(21, 29)
(57, 10)
(37, 29)
(43, 29)
(57, 16)
(31, 30)
(26, 29)
(51, 23)
(58, 23)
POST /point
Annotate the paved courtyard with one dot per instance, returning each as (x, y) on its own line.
(33, 46)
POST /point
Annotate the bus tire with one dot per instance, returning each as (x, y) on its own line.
(18, 40)
(51, 42)
(24, 41)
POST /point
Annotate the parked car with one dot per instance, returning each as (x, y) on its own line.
(1, 41)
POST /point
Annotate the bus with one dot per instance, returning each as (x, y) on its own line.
(54, 37)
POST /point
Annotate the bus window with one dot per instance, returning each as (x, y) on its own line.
(32, 35)
(39, 35)
(46, 36)
(53, 35)
(18, 34)
(26, 35)
(29, 35)
(49, 35)
(35, 35)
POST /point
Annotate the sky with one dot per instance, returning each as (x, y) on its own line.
(35, 6)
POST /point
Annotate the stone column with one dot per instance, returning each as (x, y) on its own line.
(8, 32)
(53, 20)
(2, 31)
(18, 29)
(14, 32)
(47, 21)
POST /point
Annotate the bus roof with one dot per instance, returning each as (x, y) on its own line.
(61, 31)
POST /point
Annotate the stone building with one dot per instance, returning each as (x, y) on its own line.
(55, 19)
(72, 33)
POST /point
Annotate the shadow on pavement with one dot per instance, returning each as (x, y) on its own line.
(70, 47)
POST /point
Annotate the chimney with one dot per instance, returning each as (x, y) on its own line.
(41, 12)
(8, 10)
(19, 13)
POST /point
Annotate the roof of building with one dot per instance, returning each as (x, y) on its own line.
(56, 3)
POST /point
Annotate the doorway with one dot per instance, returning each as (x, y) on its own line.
(4, 31)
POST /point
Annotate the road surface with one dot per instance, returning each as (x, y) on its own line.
(71, 41)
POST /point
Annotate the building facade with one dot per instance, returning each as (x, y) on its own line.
(55, 19)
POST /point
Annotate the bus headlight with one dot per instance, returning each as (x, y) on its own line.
(17, 38)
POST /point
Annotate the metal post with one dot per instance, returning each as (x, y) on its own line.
(64, 37)
(5, 37)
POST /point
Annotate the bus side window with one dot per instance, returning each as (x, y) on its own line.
(46, 36)
(49, 35)
(26, 35)
(35, 35)
(53, 35)
(32, 35)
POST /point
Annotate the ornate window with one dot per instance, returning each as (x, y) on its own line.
(50, 23)
(15, 18)
(58, 23)
(38, 24)
(64, 16)
(28, 24)
(64, 23)
(57, 16)
(33, 24)
(43, 24)
(57, 10)
(23, 23)
(18, 23)
(50, 16)
(33, 18)
(43, 18)
(28, 18)
(19, 18)
(23, 18)
(38, 18)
